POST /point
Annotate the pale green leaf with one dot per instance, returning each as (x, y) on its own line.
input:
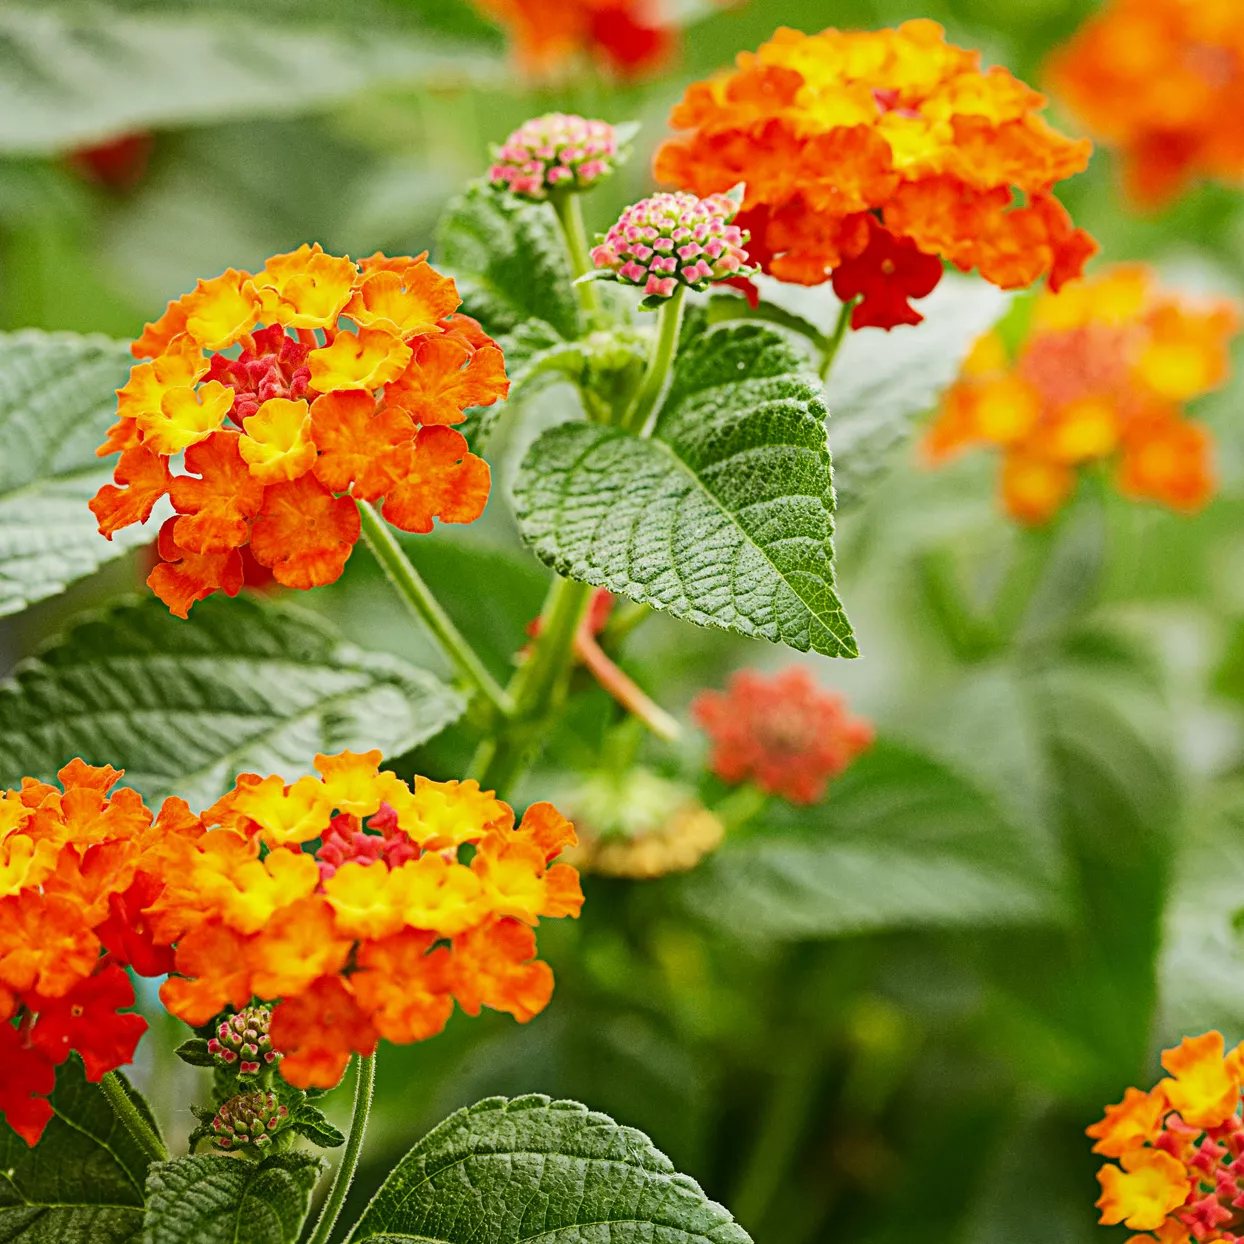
(184, 706)
(529, 1168)
(724, 517)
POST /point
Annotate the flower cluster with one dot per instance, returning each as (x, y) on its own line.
(874, 155)
(782, 732)
(1159, 79)
(1102, 376)
(555, 152)
(78, 867)
(341, 899)
(282, 428)
(1179, 1149)
(249, 1120)
(672, 240)
(243, 1041)
(626, 37)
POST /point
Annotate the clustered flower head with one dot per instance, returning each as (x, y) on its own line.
(555, 152)
(782, 732)
(80, 864)
(1162, 81)
(871, 156)
(242, 1041)
(282, 429)
(672, 240)
(249, 1120)
(341, 901)
(1179, 1149)
(1102, 377)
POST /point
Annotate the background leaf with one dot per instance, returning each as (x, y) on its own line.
(724, 517)
(213, 1199)
(512, 1170)
(185, 706)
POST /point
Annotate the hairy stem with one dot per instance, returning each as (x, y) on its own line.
(125, 1110)
(570, 216)
(836, 339)
(418, 597)
(364, 1085)
(660, 361)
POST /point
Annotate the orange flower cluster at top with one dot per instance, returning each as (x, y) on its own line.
(1103, 375)
(1179, 1148)
(78, 866)
(1162, 80)
(628, 37)
(282, 434)
(874, 155)
(377, 931)
(782, 732)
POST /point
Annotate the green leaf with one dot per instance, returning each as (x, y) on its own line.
(509, 261)
(83, 1182)
(184, 706)
(71, 75)
(212, 1199)
(724, 517)
(195, 1052)
(57, 400)
(527, 1168)
(901, 841)
(311, 1123)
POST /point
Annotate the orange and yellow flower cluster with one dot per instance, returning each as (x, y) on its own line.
(1102, 376)
(872, 156)
(283, 428)
(78, 867)
(343, 897)
(1163, 81)
(1179, 1149)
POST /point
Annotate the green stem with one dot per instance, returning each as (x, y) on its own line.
(835, 341)
(418, 596)
(125, 1110)
(659, 363)
(364, 1085)
(570, 215)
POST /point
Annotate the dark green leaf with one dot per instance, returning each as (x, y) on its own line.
(57, 400)
(195, 1052)
(724, 517)
(311, 1123)
(184, 706)
(213, 1199)
(530, 1168)
(509, 261)
(83, 1182)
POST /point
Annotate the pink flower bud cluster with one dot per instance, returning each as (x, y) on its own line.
(675, 239)
(553, 152)
(346, 842)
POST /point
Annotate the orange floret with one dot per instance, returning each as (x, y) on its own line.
(305, 288)
(368, 359)
(1137, 1119)
(404, 986)
(182, 577)
(217, 506)
(409, 303)
(277, 445)
(362, 450)
(445, 480)
(445, 378)
(1149, 1186)
(318, 1030)
(304, 534)
(221, 311)
(144, 477)
(495, 966)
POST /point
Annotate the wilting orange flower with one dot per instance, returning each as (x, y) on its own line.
(867, 157)
(1102, 376)
(285, 427)
(1180, 1149)
(343, 897)
(1161, 80)
(782, 732)
(77, 863)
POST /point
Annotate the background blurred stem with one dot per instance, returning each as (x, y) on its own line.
(835, 341)
(570, 215)
(125, 1110)
(364, 1086)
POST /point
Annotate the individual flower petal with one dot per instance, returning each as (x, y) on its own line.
(26, 1080)
(404, 986)
(144, 477)
(284, 816)
(299, 942)
(221, 311)
(318, 1030)
(182, 577)
(1205, 1083)
(352, 781)
(359, 445)
(277, 445)
(304, 534)
(1149, 1186)
(445, 378)
(158, 335)
(884, 275)
(86, 1019)
(215, 971)
(215, 508)
(1135, 1120)
(367, 360)
(185, 417)
(305, 288)
(493, 966)
(444, 481)
(407, 303)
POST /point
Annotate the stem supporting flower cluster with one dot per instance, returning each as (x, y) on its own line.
(570, 216)
(660, 361)
(364, 1086)
(835, 341)
(124, 1108)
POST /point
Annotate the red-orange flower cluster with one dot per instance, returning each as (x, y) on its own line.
(872, 156)
(1102, 376)
(78, 868)
(782, 732)
(283, 428)
(1162, 80)
(377, 930)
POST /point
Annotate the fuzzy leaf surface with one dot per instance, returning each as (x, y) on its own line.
(723, 517)
(185, 706)
(57, 399)
(213, 1199)
(83, 1182)
(528, 1168)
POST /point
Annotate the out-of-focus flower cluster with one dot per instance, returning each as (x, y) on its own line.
(555, 152)
(282, 428)
(782, 732)
(1163, 81)
(78, 868)
(1102, 376)
(343, 897)
(1179, 1149)
(871, 156)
